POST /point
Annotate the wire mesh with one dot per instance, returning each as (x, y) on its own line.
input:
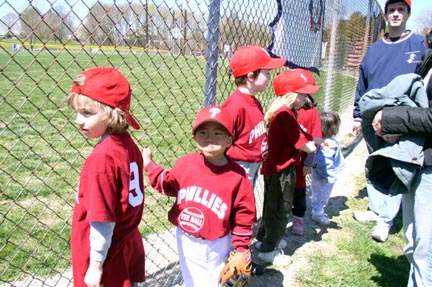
(175, 55)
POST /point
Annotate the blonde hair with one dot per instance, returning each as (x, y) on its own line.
(115, 119)
(277, 102)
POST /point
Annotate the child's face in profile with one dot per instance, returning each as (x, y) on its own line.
(90, 118)
(261, 81)
(212, 139)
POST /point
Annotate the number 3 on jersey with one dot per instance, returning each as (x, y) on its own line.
(136, 195)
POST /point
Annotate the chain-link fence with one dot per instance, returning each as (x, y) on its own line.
(175, 55)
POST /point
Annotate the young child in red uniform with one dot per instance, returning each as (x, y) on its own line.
(309, 119)
(106, 245)
(214, 199)
(285, 140)
(251, 67)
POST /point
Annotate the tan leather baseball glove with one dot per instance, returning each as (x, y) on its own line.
(237, 270)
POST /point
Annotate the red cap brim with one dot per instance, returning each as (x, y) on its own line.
(132, 122)
(214, 121)
(308, 90)
(274, 63)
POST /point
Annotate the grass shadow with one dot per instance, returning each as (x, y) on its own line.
(393, 272)
(272, 277)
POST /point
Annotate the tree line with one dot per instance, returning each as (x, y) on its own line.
(146, 25)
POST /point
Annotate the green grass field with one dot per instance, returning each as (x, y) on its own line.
(354, 259)
(42, 151)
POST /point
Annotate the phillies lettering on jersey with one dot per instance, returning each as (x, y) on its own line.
(257, 131)
(249, 125)
(211, 201)
(207, 199)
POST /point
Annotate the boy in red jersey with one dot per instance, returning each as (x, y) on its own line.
(250, 66)
(286, 140)
(106, 245)
(214, 199)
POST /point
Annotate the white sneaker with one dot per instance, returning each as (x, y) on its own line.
(381, 233)
(282, 244)
(322, 219)
(365, 216)
(275, 257)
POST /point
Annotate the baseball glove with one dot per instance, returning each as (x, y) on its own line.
(237, 270)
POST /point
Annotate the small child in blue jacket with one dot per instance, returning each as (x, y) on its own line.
(329, 160)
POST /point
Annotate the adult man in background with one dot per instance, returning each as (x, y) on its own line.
(417, 212)
(397, 53)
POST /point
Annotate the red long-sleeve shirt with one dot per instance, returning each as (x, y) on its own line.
(250, 135)
(285, 138)
(211, 200)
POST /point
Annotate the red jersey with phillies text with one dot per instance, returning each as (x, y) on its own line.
(250, 134)
(111, 189)
(310, 121)
(211, 200)
(285, 138)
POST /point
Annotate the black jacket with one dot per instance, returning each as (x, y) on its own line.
(410, 120)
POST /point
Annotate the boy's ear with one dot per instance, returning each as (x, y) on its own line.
(250, 76)
(230, 141)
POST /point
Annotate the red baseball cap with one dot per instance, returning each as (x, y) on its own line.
(252, 58)
(298, 81)
(214, 114)
(407, 2)
(110, 87)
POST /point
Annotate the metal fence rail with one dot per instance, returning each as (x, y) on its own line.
(175, 54)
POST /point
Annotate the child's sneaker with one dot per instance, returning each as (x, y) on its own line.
(297, 226)
(275, 257)
(322, 219)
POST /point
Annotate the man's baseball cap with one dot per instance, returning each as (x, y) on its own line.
(110, 87)
(407, 2)
(214, 114)
(295, 81)
(252, 58)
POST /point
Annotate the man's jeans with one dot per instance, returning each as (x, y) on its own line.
(417, 221)
(384, 205)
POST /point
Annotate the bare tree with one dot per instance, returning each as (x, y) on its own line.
(94, 24)
(49, 25)
(11, 23)
(138, 33)
(103, 24)
(66, 23)
(31, 24)
(423, 21)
